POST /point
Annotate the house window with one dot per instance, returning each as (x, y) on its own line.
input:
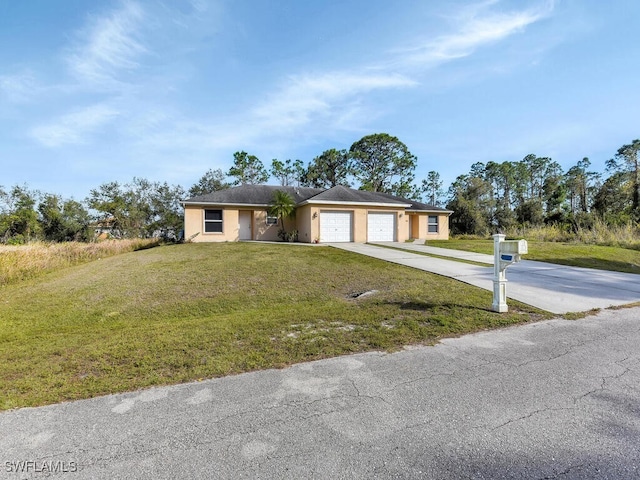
(432, 224)
(213, 221)
(272, 220)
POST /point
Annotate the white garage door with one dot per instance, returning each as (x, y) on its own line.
(381, 227)
(335, 227)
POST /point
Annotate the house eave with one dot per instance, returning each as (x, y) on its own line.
(411, 210)
(354, 204)
(219, 204)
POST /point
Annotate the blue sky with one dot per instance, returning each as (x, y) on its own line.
(92, 92)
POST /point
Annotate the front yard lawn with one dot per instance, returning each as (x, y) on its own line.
(179, 313)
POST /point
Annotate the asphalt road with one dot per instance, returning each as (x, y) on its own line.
(553, 400)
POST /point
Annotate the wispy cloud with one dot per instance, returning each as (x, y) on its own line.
(327, 98)
(18, 88)
(108, 46)
(73, 128)
(323, 103)
(301, 105)
(475, 26)
(305, 97)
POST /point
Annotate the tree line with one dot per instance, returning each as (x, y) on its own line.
(536, 191)
(138, 209)
(491, 197)
(142, 208)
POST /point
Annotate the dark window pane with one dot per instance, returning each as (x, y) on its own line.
(213, 227)
(213, 215)
(433, 229)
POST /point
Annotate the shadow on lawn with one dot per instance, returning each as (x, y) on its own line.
(433, 307)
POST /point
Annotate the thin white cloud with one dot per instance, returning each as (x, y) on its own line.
(108, 46)
(475, 27)
(306, 97)
(326, 100)
(303, 105)
(73, 128)
(199, 5)
(18, 88)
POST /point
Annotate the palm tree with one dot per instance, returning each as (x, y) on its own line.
(283, 205)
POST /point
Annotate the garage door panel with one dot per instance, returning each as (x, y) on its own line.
(381, 227)
(336, 226)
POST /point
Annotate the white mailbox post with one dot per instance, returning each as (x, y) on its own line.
(505, 253)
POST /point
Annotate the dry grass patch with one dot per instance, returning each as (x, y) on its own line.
(599, 233)
(21, 262)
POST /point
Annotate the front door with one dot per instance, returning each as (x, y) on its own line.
(244, 224)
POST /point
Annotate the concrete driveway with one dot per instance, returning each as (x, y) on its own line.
(555, 288)
(554, 400)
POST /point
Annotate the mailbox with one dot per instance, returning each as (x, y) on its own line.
(518, 247)
(510, 251)
(507, 259)
(505, 253)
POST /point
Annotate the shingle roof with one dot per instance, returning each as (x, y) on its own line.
(349, 195)
(263, 195)
(418, 206)
(254, 195)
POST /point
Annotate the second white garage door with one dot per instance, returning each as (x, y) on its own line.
(335, 227)
(381, 227)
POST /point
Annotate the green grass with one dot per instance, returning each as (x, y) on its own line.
(178, 313)
(617, 259)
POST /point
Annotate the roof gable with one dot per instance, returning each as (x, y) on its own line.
(262, 195)
(344, 194)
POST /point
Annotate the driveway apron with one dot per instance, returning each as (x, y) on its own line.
(555, 288)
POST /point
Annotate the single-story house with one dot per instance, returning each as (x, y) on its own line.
(337, 214)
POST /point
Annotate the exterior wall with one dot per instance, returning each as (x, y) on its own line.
(262, 231)
(402, 221)
(194, 224)
(414, 226)
(443, 228)
(420, 228)
(307, 222)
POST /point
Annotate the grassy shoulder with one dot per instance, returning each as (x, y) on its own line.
(185, 312)
(617, 259)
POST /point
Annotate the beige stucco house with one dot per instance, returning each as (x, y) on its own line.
(338, 214)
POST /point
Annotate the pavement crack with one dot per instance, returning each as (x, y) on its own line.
(603, 380)
(529, 415)
(355, 387)
(427, 378)
(568, 351)
(566, 471)
(361, 395)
